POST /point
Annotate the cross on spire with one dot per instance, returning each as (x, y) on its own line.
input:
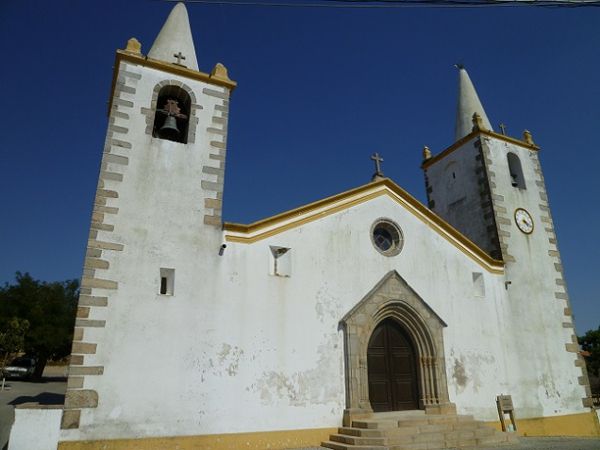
(377, 159)
(179, 57)
(503, 128)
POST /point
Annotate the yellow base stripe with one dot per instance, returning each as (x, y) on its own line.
(584, 424)
(272, 440)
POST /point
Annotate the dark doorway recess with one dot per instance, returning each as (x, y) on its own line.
(391, 361)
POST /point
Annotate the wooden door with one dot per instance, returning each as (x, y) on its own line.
(391, 362)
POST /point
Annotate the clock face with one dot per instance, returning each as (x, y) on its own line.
(524, 221)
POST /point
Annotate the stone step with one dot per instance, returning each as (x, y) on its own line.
(373, 423)
(342, 446)
(419, 446)
(409, 431)
(364, 432)
(358, 440)
(400, 432)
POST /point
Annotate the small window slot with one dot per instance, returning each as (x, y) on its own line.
(478, 284)
(167, 281)
(280, 261)
(516, 171)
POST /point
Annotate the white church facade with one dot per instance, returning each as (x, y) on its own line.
(198, 333)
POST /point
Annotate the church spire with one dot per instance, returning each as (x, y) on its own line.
(174, 43)
(468, 104)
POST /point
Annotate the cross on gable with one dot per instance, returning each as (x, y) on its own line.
(378, 160)
(179, 57)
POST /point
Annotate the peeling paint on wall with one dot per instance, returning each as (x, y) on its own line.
(459, 374)
(308, 387)
(327, 306)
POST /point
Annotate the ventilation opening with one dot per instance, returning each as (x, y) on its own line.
(478, 284)
(281, 261)
(167, 281)
(172, 114)
(516, 172)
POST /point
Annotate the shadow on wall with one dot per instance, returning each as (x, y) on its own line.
(43, 398)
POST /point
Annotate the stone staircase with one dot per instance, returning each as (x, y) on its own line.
(414, 430)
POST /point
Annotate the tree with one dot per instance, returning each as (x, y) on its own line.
(49, 308)
(12, 338)
(590, 342)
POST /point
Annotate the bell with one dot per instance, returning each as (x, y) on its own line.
(169, 129)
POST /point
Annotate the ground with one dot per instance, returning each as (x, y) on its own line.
(50, 391)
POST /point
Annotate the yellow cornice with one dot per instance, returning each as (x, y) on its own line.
(279, 223)
(218, 77)
(471, 135)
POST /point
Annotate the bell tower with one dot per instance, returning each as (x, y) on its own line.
(490, 187)
(156, 225)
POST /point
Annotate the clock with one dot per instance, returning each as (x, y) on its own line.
(524, 220)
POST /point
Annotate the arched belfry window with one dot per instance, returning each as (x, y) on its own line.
(172, 114)
(516, 172)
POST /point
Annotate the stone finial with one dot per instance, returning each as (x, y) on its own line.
(527, 137)
(477, 122)
(219, 71)
(134, 46)
(426, 153)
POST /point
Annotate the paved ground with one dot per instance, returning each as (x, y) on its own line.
(50, 391)
(530, 443)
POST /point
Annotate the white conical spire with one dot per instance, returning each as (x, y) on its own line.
(175, 37)
(468, 104)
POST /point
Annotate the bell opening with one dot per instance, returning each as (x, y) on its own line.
(172, 114)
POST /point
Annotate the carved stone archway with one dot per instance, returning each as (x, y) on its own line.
(393, 298)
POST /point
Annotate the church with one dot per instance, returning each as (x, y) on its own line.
(361, 320)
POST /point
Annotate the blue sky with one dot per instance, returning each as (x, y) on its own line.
(319, 91)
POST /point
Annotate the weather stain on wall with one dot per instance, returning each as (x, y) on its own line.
(225, 361)
(459, 374)
(229, 359)
(327, 306)
(306, 387)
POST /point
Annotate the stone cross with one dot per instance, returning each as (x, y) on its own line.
(179, 57)
(378, 160)
(503, 128)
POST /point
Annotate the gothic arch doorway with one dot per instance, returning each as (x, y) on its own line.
(392, 369)
(392, 310)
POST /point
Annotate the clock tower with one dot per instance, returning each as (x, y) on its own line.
(491, 188)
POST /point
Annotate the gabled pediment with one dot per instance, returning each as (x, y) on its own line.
(262, 229)
(393, 283)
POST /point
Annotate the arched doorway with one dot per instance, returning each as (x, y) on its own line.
(392, 369)
(393, 299)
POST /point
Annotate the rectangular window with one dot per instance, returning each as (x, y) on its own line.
(167, 281)
(280, 264)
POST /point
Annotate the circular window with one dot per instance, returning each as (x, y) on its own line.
(387, 237)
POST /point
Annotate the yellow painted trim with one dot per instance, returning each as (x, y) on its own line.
(123, 55)
(583, 424)
(279, 223)
(427, 163)
(297, 223)
(273, 440)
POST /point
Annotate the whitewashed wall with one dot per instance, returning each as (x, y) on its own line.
(35, 429)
